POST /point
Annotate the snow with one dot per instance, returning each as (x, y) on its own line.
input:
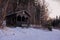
(28, 34)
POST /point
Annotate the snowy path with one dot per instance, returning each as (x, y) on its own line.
(28, 34)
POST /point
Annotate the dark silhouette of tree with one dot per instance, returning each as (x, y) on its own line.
(56, 23)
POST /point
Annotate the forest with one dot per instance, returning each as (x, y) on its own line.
(30, 12)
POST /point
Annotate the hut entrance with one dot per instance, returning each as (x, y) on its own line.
(22, 20)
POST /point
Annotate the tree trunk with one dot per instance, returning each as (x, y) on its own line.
(3, 14)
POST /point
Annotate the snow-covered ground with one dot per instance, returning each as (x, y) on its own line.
(28, 34)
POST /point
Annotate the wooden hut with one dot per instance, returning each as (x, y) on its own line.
(20, 18)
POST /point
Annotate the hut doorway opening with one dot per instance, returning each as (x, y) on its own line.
(22, 20)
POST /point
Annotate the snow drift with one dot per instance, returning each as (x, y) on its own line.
(28, 34)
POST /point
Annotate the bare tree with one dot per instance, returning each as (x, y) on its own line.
(3, 14)
(41, 12)
(44, 13)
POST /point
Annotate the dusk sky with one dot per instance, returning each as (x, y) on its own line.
(54, 8)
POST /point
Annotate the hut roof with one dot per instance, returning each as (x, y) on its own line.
(23, 12)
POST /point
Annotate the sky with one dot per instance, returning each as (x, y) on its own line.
(54, 8)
